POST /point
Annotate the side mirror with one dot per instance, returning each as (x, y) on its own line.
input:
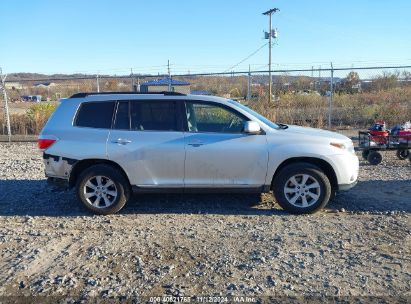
(251, 127)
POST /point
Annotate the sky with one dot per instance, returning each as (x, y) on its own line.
(111, 37)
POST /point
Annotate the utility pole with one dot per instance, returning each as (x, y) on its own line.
(6, 104)
(270, 36)
(169, 75)
(331, 96)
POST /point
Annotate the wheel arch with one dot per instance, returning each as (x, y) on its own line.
(322, 164)
(81, 165)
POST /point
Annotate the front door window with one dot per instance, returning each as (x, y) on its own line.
(212, 118)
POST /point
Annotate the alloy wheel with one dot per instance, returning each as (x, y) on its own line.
(100, 191)
(302, 190)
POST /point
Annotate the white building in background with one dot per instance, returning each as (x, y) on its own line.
(44, 85)
(13, 85)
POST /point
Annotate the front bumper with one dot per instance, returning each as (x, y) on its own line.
(346, 167)
(345, 187)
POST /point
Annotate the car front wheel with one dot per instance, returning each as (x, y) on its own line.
(302, 188)
(103, 189)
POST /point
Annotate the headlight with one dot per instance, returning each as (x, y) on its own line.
(345, 146)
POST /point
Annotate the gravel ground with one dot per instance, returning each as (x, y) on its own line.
(203, 245)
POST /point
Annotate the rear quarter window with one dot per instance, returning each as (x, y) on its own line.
(95, 115)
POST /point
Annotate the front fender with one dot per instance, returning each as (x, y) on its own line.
(278, 154)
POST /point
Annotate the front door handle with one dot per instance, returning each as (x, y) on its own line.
(195, 144)
(121, 141)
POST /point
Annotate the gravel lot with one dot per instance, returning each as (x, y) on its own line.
(203, 245)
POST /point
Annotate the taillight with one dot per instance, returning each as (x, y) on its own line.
(45, 143)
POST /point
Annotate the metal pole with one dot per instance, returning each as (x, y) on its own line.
(249, 84)
(270, 85)
(331, 96)
(133, 88)
(6, 104)
(312, 78)
(98, 84)
(319, 78)
(169, 76)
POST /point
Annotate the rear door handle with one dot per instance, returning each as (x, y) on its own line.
(121, 141)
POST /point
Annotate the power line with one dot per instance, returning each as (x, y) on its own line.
(248, 57)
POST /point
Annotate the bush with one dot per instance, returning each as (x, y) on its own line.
(357, 110)
(30, 123)
(38, 114)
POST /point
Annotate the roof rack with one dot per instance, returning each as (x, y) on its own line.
(81, 95)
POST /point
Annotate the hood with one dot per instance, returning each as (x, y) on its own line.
(315, 133)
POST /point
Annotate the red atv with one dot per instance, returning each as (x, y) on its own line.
(379, 133)
(404, 135)
(378, 138)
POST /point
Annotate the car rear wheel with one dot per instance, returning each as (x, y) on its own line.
(302, 188)
(103, 189)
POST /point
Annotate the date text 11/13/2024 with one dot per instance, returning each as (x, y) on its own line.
(202, 299)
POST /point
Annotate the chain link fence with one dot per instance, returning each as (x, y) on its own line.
(318, 97)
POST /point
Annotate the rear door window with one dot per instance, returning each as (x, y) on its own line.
(122, 121)
(153, 115)
(95, 115)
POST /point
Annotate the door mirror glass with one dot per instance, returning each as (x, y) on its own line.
(252, 127)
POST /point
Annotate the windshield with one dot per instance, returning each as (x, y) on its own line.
(258, 116)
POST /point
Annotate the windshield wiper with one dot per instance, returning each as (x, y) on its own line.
(282, 126)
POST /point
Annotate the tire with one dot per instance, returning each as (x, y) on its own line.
(103, 189)
(333, 195)
(403, 154)
(301, 200)
(365, 154)
(374, 158)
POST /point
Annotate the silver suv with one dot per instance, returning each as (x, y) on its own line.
(108, 145)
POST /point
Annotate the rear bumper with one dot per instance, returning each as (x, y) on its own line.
(345, 187)
(58, 167)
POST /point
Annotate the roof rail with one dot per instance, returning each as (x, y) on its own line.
(81, 95)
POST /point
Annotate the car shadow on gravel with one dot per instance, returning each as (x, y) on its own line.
(216, 203)
(375, 196)
(36, 198)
